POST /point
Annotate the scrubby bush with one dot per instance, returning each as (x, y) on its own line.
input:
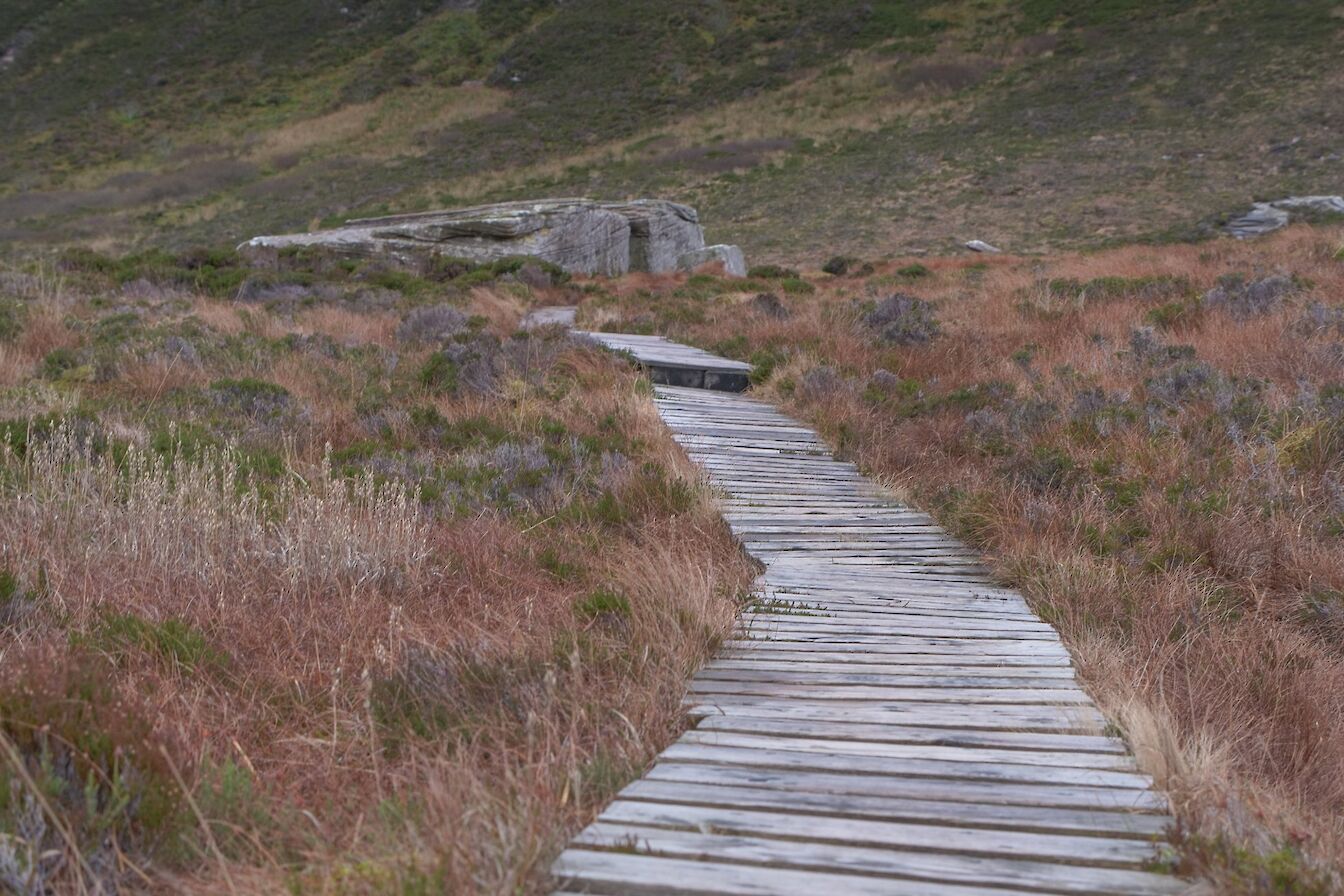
(1319, 319)
(1244, 298)
(840, 265)
(821, 384)
(439, 373)
(768, 305)
(433, 323)
(258, 399)
(903, 320)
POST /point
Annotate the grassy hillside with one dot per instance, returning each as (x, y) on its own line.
(799, 129)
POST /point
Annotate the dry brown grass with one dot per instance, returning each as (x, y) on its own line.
(1185, 542)
(14, 367)
(355, 631)
(345, 325)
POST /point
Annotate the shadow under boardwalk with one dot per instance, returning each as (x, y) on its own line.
(673, 364)
(884, 720)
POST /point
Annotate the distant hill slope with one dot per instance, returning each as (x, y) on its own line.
(799, 128)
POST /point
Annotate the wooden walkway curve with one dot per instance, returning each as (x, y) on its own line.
(885, 720)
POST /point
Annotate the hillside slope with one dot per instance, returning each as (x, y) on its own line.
(798, 128)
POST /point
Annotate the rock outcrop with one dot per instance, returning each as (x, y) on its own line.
(734, 264)
(579, 235)
(1265, 217)
(660, 232)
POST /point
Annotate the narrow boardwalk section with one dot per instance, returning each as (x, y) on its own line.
(673, 364)
(885, 720)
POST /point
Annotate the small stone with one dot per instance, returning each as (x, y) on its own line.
(734, 263)
(981, 246)
(1266, 217)
(1261, 219)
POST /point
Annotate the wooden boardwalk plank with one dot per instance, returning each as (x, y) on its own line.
(1033, 876)
(1103, 749)
(821, 742)
(849, 783)
(1048, 819)
(885, 719)
(989, 717)
(626, 874)
(748, 750)
(1106, 851)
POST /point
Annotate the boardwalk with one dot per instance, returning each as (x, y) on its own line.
(885, 720)
(673, 364)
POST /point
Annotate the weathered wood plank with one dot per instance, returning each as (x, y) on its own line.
(896, 624)
(753, 753)
(821, 743)
(720, 791)
(1033, 876)
(869, 832)
(934, 679)
(805, 657)
(732, 666)
(711, 689)
(897, 644)
(1100, 746)
(1077, 719)
(625, 874)
(989, 793)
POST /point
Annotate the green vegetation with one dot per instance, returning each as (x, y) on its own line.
(172, 641)
(186, 124)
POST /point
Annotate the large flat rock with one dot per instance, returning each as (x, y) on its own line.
(581, 236)
(660, 232)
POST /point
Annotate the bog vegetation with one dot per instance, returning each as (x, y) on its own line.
(1149, 442)
(327, 580)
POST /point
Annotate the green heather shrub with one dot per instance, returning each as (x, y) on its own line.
(763, 363)
(771, 272)
(173, 642)
(65, 365)
(602, 604)
(11, 321)
(439, 373)
(1171, 315)
(839, 265)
